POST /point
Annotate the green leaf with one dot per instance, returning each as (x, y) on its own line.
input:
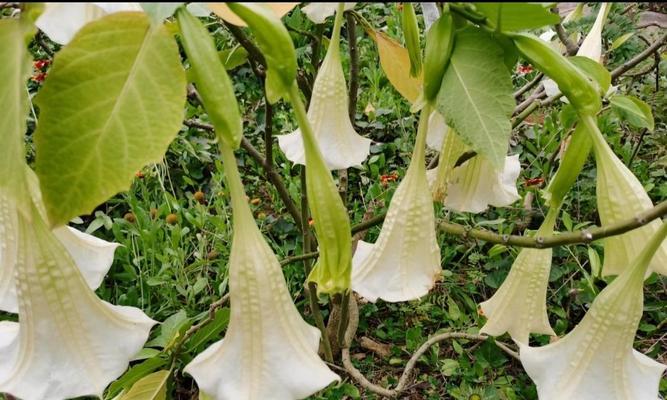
(169, 329)
(112, 103)
(211, 330)
(232, 58)
(151, 387)
(476, 95)
(594, 70)
(594, 260)
(158, 12)
(619, 41)
(14, 71)
(212, 81)
(633, 110)
(276, 45)
(134, 374)
(512, 17)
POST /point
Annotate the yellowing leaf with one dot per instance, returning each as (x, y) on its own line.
(150, 387)
(222, 11)
(395, 62)
(112, 103)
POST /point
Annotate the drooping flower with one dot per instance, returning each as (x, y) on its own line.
(269, 351)
(591, 47)
(597, 360)
(67, 343)
(93, 256)
(328, 114)
(404, 263)
(61, 21)
(319, 12)
(620, 196)
(473, 185)
(519, 306)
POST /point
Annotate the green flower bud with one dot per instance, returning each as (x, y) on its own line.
(581, 92)
(411, 33)
(213, 83)
(439, 45)
(276, 45)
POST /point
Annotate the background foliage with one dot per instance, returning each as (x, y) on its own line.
(174, 223)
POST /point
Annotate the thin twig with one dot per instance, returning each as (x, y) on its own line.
(412, 362)
(272, 175)
(538, 242)
(354, 65)
(570, 47)
(529, 85)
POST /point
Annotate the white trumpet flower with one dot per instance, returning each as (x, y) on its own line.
(596, 360)
(68, 343)
(476, 184)
(621, 196)
(473, 185)
(519, 306)
(61, 21)
(319, 12)
(269, 351)
(404, 262)
(328, 114)
(91, 255)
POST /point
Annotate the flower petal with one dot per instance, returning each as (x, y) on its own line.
(621, 196)
(269, 351)
(404, 262)
(92, 255)
(476, 184)
(519, 306)
(318, 12)
(63, 324)
(61, 21)
(437, 130)
(8, 248)
(328, 114)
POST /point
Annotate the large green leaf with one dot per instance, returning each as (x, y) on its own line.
(633, 110)
(511, 17)
(151, 387)
(112, 103)
(476, 95)
(14, 70)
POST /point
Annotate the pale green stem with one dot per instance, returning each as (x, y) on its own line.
(419, 152)
(334, 43)
(549, 222)
(239, 202)
(644, 259)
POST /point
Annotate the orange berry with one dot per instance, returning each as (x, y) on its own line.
(255, 201)
(130, 217)
(172, 219)
(200, 197)
(153, 212)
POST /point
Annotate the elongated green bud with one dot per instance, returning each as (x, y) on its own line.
(572, 82)
(276, 45)
(210, 76)
(439, 45)
(570, 167)
(411, 33)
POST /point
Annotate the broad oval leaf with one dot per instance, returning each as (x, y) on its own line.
(512, 17)
(476, 95)
(150, 387)
(112, 103)
(633, 110)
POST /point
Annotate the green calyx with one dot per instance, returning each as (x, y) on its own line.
(210, 76)
(581, 92)
(439, 45)
(333, 271)
(411, 33)
(276, 45)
